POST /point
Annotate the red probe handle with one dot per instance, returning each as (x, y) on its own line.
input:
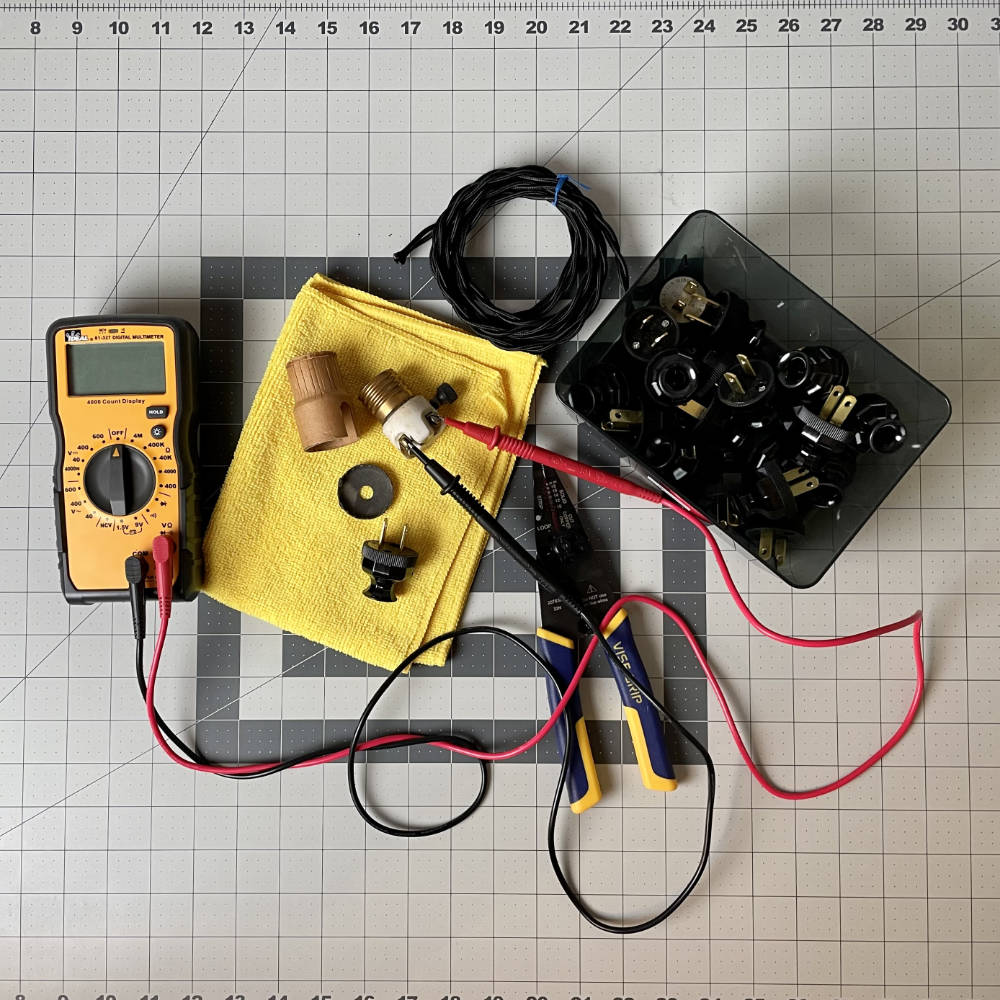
(493, 437)
(163, 561)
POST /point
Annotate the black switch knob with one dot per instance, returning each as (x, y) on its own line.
(119, 480)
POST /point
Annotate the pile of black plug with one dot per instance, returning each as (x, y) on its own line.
(755, 435)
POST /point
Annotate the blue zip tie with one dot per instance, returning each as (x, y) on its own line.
(561, 180)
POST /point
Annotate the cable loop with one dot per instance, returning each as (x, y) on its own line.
(558, 315)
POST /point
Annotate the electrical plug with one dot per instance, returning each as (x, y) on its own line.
(388, 564)
(747, 384)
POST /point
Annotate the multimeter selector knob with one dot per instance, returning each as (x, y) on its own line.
(119, 480)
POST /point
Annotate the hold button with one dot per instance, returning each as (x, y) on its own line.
(157, 412)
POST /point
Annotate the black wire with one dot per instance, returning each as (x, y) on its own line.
(556, 317)
(417, 739)
(451, 486)
(414, 739)
(396, 831)
(706, 843)
(420, 738)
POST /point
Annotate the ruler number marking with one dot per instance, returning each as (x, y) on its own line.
(122, 30)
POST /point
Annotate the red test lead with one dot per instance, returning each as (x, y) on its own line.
(494, 438)
(163, 560)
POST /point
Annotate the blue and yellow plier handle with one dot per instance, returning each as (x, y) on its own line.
(581, 781)
(643, 720)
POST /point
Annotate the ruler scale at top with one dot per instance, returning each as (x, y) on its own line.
(969, 22)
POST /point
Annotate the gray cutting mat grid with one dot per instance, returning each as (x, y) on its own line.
(224, 169)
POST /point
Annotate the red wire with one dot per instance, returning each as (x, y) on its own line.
(161, 634)
(494, 439)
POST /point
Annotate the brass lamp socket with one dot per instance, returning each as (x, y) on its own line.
(384, 394)
(322, 409)
(406, 419)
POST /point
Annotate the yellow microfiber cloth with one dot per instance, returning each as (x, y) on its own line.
(280, 547)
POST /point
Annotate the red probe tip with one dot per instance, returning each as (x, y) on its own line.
(163, 559)
(489, 436)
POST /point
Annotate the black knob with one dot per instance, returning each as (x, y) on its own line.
(875, 425)
(672, 377)
(444, 395)
(119, 480)
(813, 371)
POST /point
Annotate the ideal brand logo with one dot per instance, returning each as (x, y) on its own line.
(622, 656)
(75, 336)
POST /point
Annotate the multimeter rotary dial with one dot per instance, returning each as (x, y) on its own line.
(119, 480)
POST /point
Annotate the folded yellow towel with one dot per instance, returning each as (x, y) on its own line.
(280, 547)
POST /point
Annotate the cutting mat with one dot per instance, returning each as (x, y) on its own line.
(204, 161)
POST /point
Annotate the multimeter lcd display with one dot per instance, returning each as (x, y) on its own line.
(125, 369)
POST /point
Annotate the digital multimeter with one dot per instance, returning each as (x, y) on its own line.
(122, 396)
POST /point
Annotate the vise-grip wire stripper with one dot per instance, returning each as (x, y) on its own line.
(561, 542)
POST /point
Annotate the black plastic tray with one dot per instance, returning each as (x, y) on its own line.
(707, 248)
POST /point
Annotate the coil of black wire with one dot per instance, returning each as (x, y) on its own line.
(557, 316)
